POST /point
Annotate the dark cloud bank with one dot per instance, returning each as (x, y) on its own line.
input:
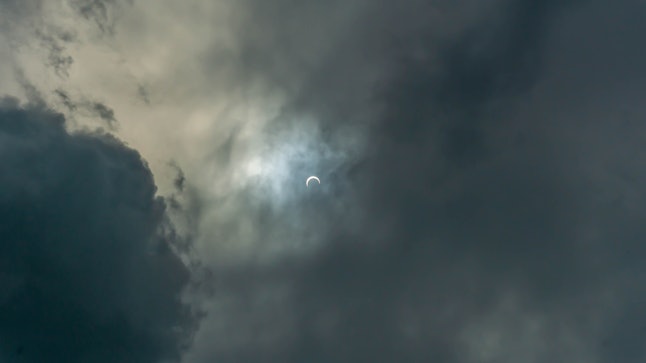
(501, 191)
(88, 271)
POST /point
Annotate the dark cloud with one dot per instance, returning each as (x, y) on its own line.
(496, 209)
(180, 180)
(88, 268)
(54, 39)
(104, 112)
(57, 58)
(89, 107)
(99, 11)
(65, 99)
(144, 93)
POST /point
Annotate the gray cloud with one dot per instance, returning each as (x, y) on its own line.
(89, 107)
(65, 99)
(57, 58)
(104, 112)
(88, 269)
(99, 11)
(481, 163)
(479, 223)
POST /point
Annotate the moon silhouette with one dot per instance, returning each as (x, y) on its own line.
(307, 182)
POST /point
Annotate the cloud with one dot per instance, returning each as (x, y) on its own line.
(471, 227)
(57, 58)
(481, 193)
(104, 112)
(86, 106)
(88, 269)
(101, 12)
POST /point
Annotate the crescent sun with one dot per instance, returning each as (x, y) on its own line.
(307, 182)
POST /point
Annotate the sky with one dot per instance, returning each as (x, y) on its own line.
(482, 194)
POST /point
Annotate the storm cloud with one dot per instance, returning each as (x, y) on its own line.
(89, 269)
(487, 216)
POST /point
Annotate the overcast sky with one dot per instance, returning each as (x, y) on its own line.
(482, 168)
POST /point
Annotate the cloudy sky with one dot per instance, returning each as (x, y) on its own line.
(482, 166)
